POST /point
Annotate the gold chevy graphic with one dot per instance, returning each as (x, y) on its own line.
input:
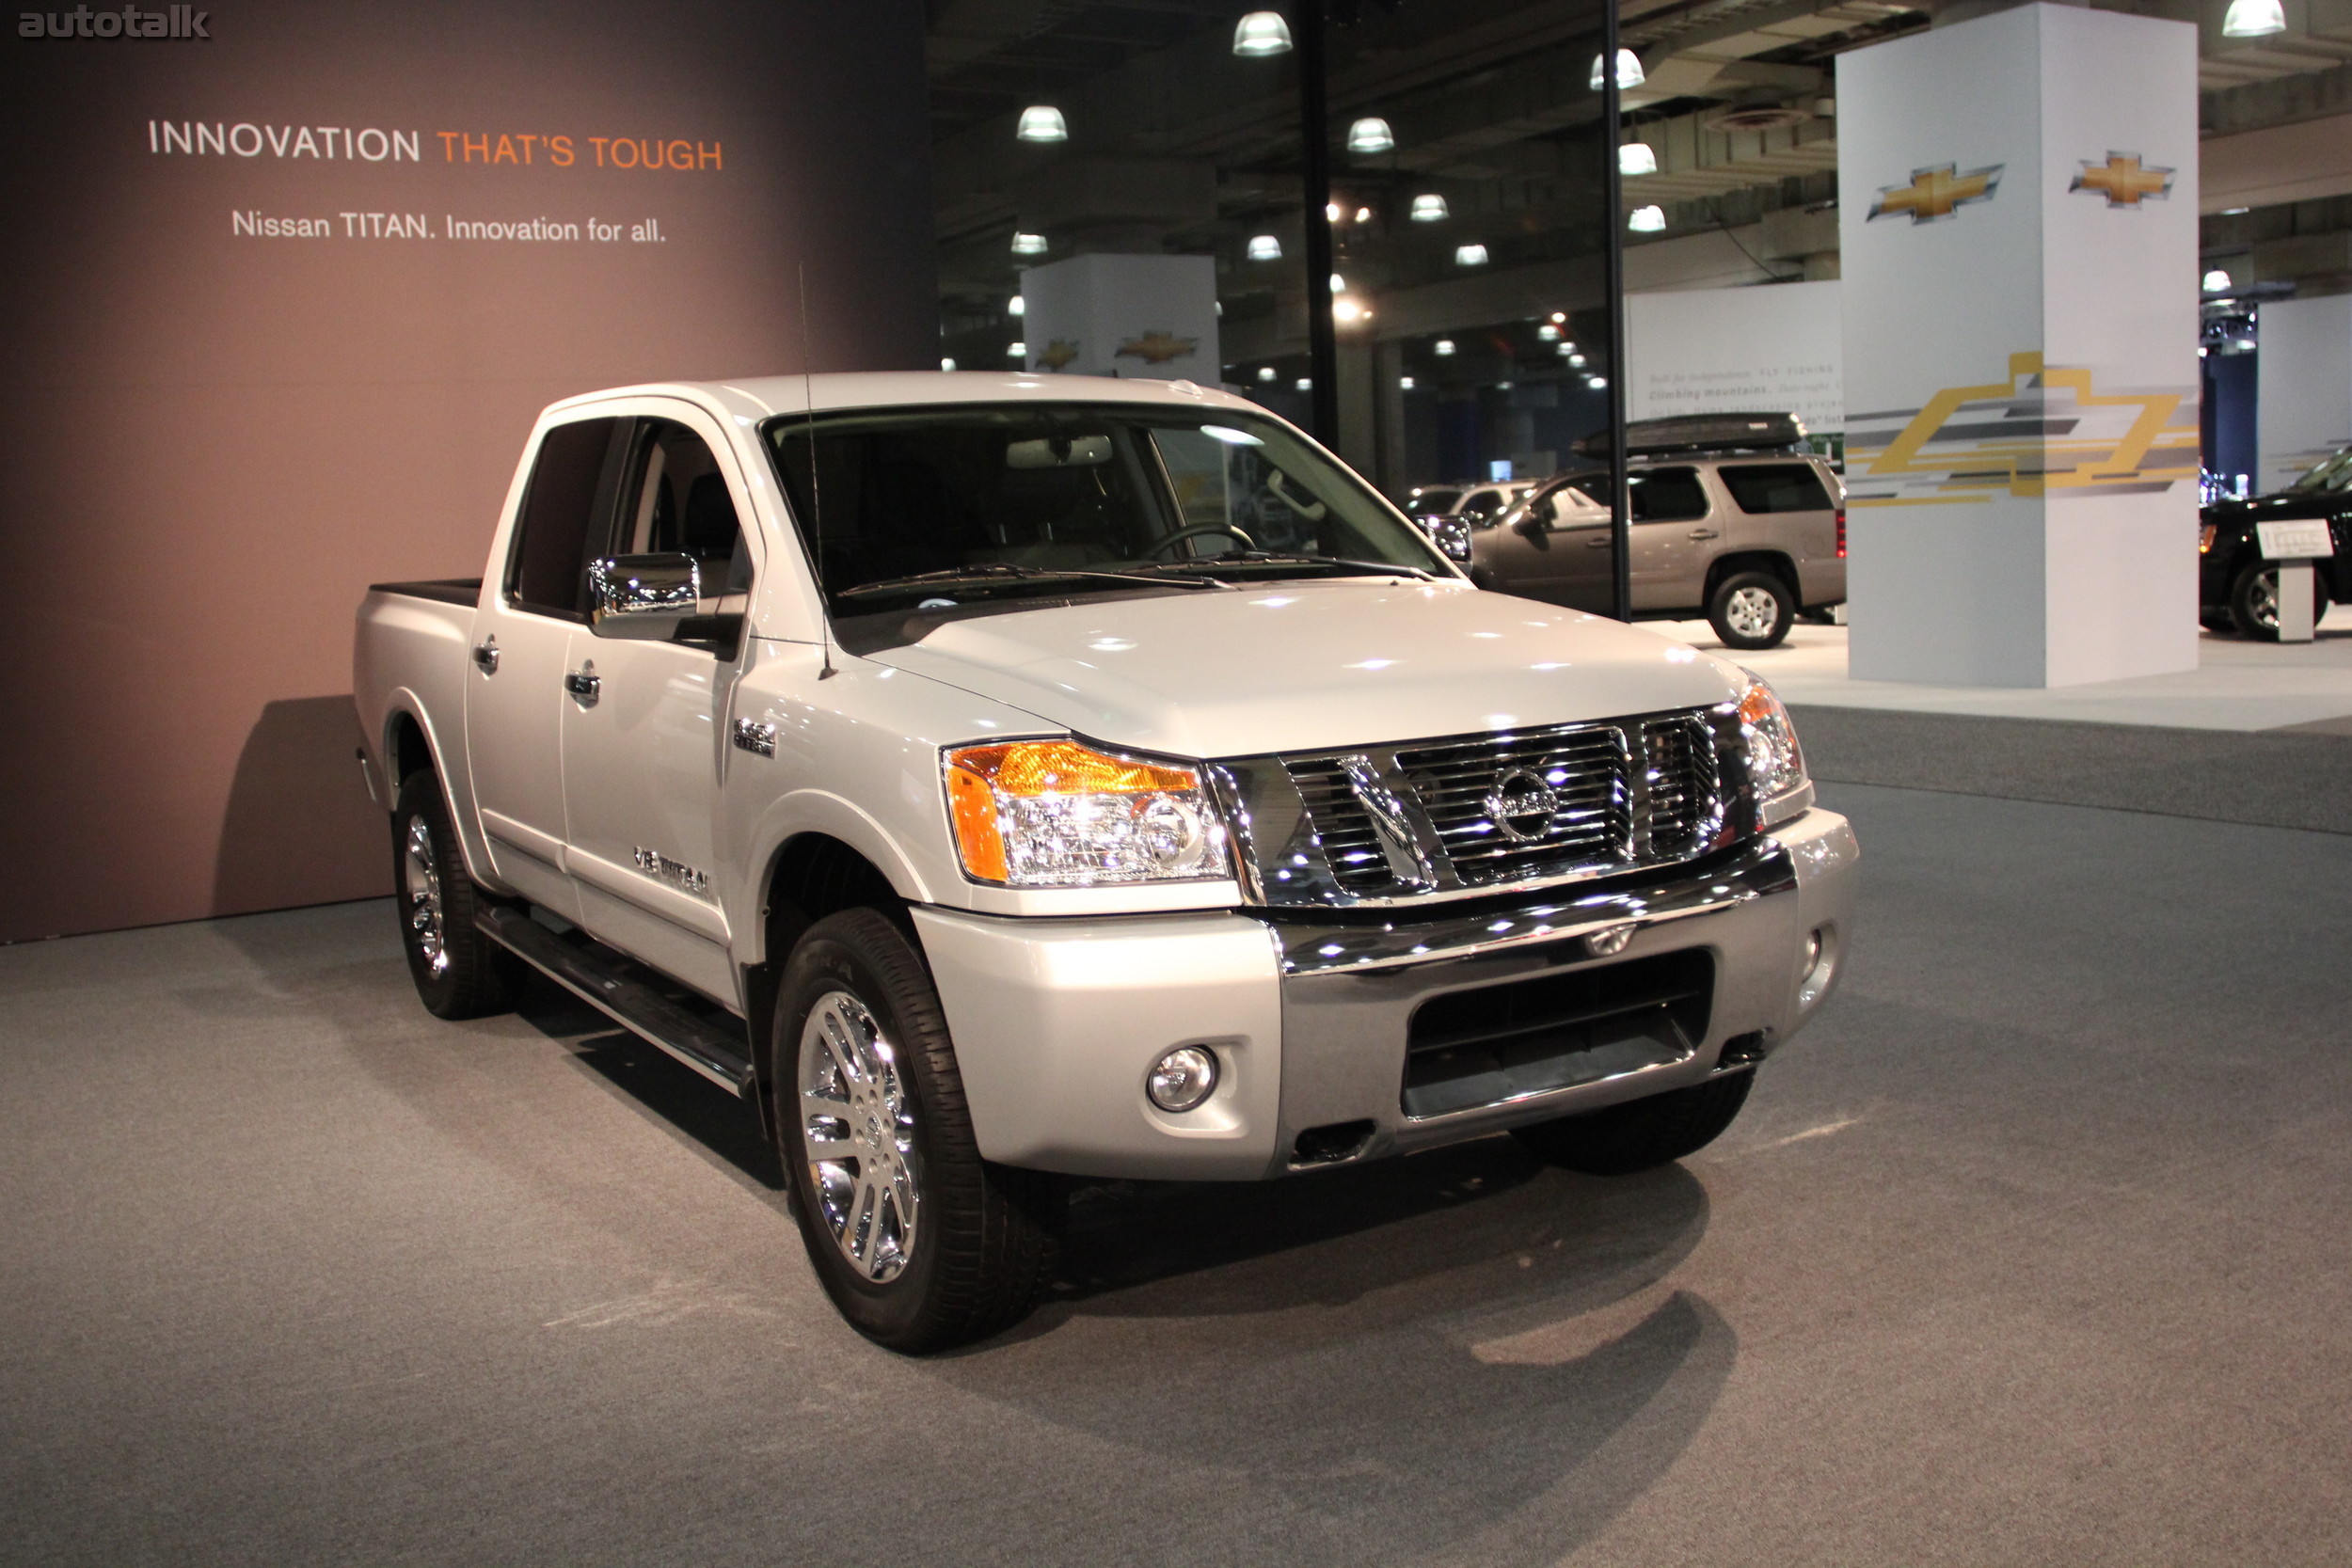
(1059, 354)
(1936, 193)
(1156, 348)
(2122, 180)
(2046, 430)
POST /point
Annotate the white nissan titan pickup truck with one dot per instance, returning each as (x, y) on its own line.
(1001, 779)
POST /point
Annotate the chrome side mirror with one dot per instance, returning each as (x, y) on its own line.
(642, 598)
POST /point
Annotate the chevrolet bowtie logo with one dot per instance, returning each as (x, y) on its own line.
(1060, 352)
(2122, 181)
(1934, 192)
(1156, 347)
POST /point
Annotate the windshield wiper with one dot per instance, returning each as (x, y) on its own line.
(1269, 558)
(1006, 571)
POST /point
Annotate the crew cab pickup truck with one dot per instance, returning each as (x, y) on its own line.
(1003, 779)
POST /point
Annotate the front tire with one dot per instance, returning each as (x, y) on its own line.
(2254, 600)
(458, 972)
(1751, 609)
(921, 1243)
(1618, 1140)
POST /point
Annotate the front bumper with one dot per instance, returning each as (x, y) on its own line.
(1057, 1022)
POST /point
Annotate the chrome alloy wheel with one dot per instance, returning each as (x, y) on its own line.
(421, 885)
(1752, 613)
(857, 1123)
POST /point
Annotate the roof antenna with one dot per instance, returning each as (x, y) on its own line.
(816, 488)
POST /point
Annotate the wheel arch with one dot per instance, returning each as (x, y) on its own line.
(1777, 562)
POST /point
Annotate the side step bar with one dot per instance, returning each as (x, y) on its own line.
(710, 1050)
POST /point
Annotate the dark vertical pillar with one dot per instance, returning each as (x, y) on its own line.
(1314, 132)
(1620, 501)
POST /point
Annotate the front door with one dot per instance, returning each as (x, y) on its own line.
(643, 725)
(1555, 548)
(514, 671)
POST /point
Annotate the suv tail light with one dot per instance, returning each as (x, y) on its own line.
(1841, 531)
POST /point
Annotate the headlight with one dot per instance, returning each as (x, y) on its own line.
(1056, 813)
(1775, 761)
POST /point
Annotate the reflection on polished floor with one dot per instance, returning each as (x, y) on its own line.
(2237, 684)
(2031, 1251)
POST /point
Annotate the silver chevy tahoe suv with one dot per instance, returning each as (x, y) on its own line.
(1732, 519)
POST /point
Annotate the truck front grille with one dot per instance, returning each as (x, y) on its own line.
(1481, 813)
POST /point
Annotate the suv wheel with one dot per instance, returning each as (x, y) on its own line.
(1751, 609)
(921, 1243)
(459, 973)
(2254, 599)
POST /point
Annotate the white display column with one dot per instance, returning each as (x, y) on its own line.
(2017, 204)
(1108, 314)
(2303, 380)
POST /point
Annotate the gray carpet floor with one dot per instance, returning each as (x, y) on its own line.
(2033, 1251)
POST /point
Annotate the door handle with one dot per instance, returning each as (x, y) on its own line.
(486, 656)
(580, 683)
(1702, 533)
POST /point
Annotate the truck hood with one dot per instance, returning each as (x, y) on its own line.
(1311, 666)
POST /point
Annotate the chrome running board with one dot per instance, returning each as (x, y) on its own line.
(605, 985)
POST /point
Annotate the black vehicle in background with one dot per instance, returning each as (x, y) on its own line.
(2237, 590)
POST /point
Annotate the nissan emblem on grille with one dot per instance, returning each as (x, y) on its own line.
(1521, 805)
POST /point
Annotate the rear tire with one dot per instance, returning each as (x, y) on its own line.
(459, 973)
(922, 1244)
(1751, 609)
(1618, 1140)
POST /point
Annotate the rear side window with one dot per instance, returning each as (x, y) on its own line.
(1774, 486)
(573, 476)
(1668, 496)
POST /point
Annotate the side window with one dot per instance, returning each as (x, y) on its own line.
(677, 503)
(1668, 496)
(1479, 505)
(1775, 486)
(560, 505)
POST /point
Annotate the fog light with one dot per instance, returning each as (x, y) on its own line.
(1819, 964)
(1184, 1079)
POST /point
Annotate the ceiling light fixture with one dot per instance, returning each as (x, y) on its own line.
(1363, 215)
(1016, 306)
(1029, 245)
(2253, 19)
(1304, 384)
(1265, 247)
(1406, 382)
(1265, 372)
(1548, 333)
(1443, 348)
(1647, 220)
(1016, 351)
(1042, 122)
(1636, 159)
(1261, 34)
(2218, 281)
(947, 364)
(1469, 256)
(1370, 134)
(1339, 284)
(1630, 72)
(1430, 208)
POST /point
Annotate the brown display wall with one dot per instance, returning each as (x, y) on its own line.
(282, 305)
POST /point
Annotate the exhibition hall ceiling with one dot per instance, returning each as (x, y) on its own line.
(1175, 143)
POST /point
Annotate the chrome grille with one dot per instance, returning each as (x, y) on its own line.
(1342, 825)
(1459, 814)
(1591, 820)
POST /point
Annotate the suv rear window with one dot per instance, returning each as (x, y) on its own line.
(1774, 486)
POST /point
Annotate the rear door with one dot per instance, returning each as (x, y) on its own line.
(1674, 537)
(644, 723)
(515, 695)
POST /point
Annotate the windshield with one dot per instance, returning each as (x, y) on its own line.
(2330, 473)
(926, 507)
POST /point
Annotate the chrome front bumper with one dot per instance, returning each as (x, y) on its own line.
(1057, 1023)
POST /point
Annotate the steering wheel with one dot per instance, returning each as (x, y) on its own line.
(1199, 530)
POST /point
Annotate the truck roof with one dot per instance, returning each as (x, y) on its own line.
(763, 395)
